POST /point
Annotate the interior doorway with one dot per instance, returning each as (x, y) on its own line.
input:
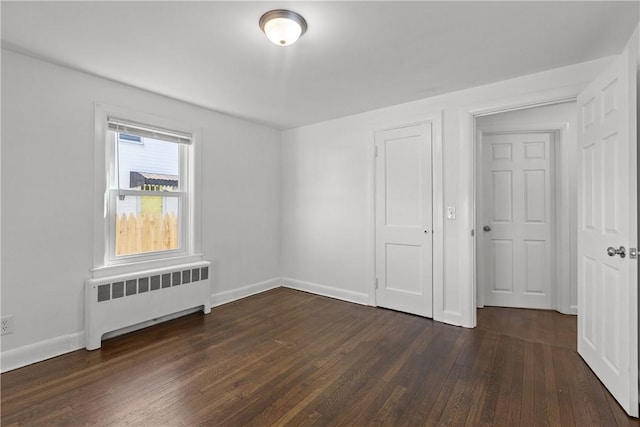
(526, 208)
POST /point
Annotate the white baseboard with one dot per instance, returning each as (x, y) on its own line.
(225, 297)
(327, 291)
(43, 350)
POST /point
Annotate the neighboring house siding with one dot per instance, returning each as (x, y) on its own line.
(149, 156)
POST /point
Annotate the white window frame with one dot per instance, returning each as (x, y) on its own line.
(106, 194)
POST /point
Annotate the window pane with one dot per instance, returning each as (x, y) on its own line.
(147, 164)
(146, 224)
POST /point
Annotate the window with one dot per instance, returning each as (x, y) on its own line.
(147, 185)
(147, 213)
(148, 195)
(148, 191)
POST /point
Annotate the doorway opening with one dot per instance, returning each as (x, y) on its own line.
(606, 218)
(526, 207)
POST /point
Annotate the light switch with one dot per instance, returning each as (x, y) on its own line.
(451, 212)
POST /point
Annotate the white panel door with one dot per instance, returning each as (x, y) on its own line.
(404, 219)
(515, 261)
(607, 218)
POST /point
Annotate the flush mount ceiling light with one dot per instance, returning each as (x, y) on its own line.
(283, 27)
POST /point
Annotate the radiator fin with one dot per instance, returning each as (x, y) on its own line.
(166, 280)
(140, 285)
(117, 290)
(104, 292)
(176, 278)
(143, 284)
(132, 287)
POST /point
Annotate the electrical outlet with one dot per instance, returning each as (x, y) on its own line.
(6, 325)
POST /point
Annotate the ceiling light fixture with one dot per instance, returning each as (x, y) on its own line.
(283, 27)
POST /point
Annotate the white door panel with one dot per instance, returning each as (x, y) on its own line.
(515, 262)
(404, 219)
(607, 217)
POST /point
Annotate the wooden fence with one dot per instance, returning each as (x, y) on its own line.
(146, 233)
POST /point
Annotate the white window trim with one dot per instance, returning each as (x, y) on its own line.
(104, 263)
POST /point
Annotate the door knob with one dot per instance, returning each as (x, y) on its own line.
(426, 231)
(486, 228)
(611, 251)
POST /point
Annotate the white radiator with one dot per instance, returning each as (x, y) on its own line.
(113, 303)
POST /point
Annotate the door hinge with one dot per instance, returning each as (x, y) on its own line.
(376, 283)
(633, 253)
(376, 150)
(473, 233)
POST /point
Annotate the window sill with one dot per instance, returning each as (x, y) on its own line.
(132, 267)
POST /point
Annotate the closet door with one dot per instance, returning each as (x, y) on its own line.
(404, 238)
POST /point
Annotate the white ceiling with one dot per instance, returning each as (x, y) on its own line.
(355, 56)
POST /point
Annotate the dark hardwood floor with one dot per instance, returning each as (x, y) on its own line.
(285, 357)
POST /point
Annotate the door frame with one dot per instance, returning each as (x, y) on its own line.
(468, 163)
(435, 119)
(561, 243)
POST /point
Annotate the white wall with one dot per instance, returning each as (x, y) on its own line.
(563, 117)
(47, 191)
(327, 189)
(326, 200)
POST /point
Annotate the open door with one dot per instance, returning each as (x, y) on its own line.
(607, 229)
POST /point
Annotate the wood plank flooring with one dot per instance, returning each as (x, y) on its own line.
(285, 357)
